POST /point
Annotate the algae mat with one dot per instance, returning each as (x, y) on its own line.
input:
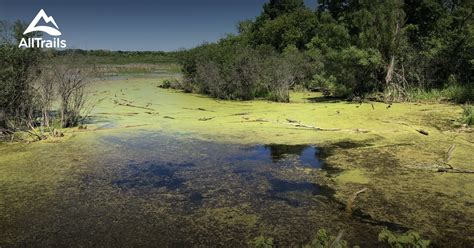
(158, 167)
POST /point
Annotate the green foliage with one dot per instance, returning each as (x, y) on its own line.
(324, 240)
(17, 70)
(262, 242)
(276, 8)
(409, 239)
(468, 114)
(455, 93)
(402, 49)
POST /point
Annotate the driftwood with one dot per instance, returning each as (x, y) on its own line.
(243, 113)
(422, 131)
(256, 120)
(350, 203)
(151, 113)
(168, 117)
(206, 118)
(131, 105)
(441, 167)
(138, 125)
(454, 170)
(312, 127)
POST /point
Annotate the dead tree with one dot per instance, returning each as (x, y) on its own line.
(72, 81)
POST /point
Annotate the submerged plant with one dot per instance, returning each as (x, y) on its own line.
(410, 239)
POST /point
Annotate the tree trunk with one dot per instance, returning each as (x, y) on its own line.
(390, 68)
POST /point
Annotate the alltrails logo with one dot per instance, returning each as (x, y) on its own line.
(40, 42)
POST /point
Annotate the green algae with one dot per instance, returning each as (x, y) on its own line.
(372, 146)
(353, 176)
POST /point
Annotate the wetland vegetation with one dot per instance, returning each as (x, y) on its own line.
(281, 136)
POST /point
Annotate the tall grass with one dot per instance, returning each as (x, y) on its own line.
(453, 93)
(468, 114)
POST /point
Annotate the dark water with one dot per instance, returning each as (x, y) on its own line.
(307, 155)
(160, 190)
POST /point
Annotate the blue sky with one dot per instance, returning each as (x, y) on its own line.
(144, 25)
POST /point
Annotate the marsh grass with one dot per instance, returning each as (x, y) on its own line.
(454, 93)
(468, 114)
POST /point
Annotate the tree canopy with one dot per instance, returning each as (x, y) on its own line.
(349, 47)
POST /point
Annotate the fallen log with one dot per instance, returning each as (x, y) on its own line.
(151, 113)
(138, 125)
(312, 127)
(132, 106)
(243, 113)
(454, 170)
(422, 131)
(445, 167)
(206, 118)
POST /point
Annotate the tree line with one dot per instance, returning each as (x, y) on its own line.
(388, 49)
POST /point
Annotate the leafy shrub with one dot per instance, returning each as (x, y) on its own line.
(410, 239)
(166, 84)
(324, 240)
(170, 84)
(262, 242)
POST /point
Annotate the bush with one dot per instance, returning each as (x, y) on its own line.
(408, 239)
(262, 242)
(454, 93)
(18, 69)
(231, 69)
(468, 114)
(30, 82)
(324, 240)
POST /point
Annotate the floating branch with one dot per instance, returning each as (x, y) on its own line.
(350, 203)
(131, 105)
(206, 118)
(422, 131)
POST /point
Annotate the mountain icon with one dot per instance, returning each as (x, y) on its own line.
(47, 19)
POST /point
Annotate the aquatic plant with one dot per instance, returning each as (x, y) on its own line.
(262, 242)
(408, 239)
(324, 240)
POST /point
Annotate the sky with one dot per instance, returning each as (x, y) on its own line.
(138, 25)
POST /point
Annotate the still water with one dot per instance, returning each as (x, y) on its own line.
(150, 189)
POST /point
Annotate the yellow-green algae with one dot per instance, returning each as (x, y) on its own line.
(370, 145)
(353, 176)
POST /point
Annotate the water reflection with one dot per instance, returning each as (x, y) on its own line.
(151, 174)
(307, 155)
(166, 190)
